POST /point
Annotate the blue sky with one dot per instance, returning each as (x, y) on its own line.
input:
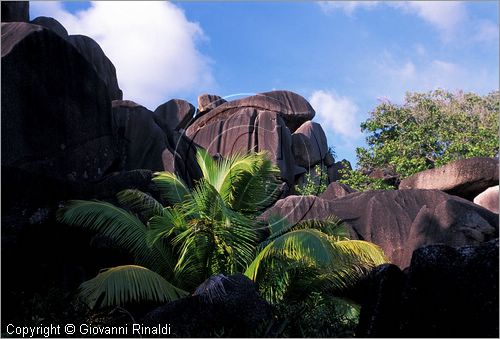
(342, 56)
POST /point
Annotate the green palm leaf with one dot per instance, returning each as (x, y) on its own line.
(140, 203)
(121, 285)
(121, 226)
(172, 188)
(246, 182)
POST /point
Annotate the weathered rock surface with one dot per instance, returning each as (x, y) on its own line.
(398, 221)
(52, 24)
(248, 129)
(336, 190)
(175, 114)
(488, 199)
(57, 124)
(15, 11)
(207, 102)
(446, 292)
(309, 144)
(238, 311)
(293, 108)
(141, 140)
(465, 178)
(96, 57)
(180, 157)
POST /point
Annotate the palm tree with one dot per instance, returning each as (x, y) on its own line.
(207, 230)
(212, 229)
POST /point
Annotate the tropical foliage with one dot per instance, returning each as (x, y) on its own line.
(315, 181)
(428, 130)
(213, 229)
(309, 256)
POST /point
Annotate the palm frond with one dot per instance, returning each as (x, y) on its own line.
(172, 188)
(315, 247)
(121, 285)
(140, 203)
(169, 223)
(246, 182)
(258, 188)
(307, 244)
(121, 226)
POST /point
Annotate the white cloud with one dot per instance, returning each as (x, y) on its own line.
(151, 43)
(337, 114)
(486, 31)
(445, 16)
(402, 76)
(347, 6)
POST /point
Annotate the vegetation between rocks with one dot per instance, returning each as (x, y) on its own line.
(213, 229)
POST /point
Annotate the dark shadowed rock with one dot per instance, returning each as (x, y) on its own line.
(237, 309)
(52, 24)
(175, 114)
(56, 112)
(336, 190)
(15, 11)
(141, 140)
(180, 157)
(309, 144)
(452, 292)
(207, 102)
(488, 199)
(103, 66)
(446, 292)
(329, 160)
(399, 221)
(293, 108)
(380, 297)
(333, 171)
(249, 129)
(465, 178)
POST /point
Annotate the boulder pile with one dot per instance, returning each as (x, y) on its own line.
(68, 132)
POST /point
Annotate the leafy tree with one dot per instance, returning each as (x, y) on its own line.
(427, 131)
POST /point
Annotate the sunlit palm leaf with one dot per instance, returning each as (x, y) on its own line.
(121, 226)
(127, 284)
(259, 188)
(172, 188)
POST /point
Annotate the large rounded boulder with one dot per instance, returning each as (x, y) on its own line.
(248, 129)
(142, 141)
(309, 144)
(465, 178)
(56, 110)
(292, 108)
(173, 115)
(398, 221)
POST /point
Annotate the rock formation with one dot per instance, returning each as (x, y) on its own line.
(175, 114)
(62, 127)
(207, 102)
(446, 292)
(465, 178)
(488, 199)
(398, 221)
